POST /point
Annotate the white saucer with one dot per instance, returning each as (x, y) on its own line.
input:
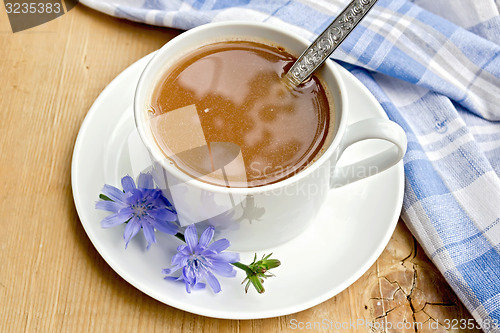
(349, 234)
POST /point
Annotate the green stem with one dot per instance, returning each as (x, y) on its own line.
(180, 236)
(253, 278)
(243, 267)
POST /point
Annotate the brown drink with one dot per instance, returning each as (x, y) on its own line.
(227, 104)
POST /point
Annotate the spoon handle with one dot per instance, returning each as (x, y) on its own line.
(329, 40)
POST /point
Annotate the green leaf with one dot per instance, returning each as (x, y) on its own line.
(104, 197)
(256, 271)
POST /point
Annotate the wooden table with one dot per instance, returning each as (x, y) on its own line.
(51, 277)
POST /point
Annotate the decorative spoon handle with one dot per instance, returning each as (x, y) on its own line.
(329, 40)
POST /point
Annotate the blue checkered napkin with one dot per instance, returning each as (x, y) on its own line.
(435, 68)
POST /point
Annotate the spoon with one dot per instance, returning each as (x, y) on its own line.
(317, 53)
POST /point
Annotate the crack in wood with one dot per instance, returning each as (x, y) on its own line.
(410, 301)
(397, 293)
(404, 288)
(412, 251)
(385, 314)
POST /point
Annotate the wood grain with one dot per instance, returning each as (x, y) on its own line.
(51, 277)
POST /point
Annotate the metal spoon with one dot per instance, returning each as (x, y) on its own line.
(328, 40)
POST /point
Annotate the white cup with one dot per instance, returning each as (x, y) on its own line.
(261, 217)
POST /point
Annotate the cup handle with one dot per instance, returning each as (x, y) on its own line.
(373, 128)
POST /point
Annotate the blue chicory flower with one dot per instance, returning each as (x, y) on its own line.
(199, 260)
(140, 207)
